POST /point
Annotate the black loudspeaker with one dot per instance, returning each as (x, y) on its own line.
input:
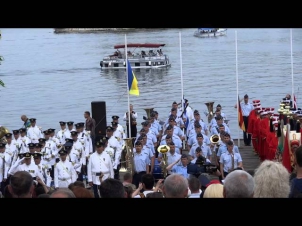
(98, 111)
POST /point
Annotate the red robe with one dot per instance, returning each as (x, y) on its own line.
(256, 135)
(252, 118)
(264, 130)
(272, 145)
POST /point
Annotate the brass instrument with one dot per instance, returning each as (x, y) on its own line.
(3, 131)
(214, 139)
(163, 149)
(148, 111)
(129, 158)
(210, 110)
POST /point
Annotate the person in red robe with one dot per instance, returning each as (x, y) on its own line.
(252, 118)
(264, 129)
(273, 144)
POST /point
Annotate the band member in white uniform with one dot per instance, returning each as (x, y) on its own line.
(5, 162)
(34, 132)
(113, 142)
(24, 140)
(25, 164)
(64, 172)
(63, 133)
(99, 163)
(42, 168)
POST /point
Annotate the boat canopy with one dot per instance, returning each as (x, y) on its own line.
(142, 45)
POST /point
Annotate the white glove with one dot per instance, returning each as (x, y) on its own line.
(114, 165)
(20, 160)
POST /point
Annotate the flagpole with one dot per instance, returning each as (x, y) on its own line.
(237, 87)
(291, 57)
(181, 78)
(129, 113)
(181, 83)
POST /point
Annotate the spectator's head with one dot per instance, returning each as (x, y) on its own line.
(21, 185)
(79, 184)
(129, 190)
(81, 192)
(148, 181)
(213, 191)
(194, 184)
(271, 180)
(128, 177)
(43, 196)
(298, 157)
(175, 186)
(155, 195)
(238, 184)
(112, 188)
(62, 193)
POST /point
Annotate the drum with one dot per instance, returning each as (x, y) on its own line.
(157, 173)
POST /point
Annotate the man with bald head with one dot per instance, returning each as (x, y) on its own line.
(26, 121)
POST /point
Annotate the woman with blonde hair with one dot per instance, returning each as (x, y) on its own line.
(271, 180)
(213, 191)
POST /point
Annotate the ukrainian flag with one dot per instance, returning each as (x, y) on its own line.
(132, 81)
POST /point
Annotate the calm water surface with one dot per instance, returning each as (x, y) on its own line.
(55, 77)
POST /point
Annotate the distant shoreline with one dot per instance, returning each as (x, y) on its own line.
(89, 30)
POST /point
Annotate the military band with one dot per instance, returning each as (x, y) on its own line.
(68, 155)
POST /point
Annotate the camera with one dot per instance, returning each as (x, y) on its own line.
(201, 166)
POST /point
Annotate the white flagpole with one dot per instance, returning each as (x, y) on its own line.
(181, 78)
(291, 57)
(237, 87)
(182, 87)
(129, 113)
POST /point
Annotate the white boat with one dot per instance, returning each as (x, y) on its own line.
(210, 32)
(140, 55)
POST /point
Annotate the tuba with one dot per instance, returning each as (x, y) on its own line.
(3, 131)
(129, 155)
(163, 149)
(148, 111)
(210, 110)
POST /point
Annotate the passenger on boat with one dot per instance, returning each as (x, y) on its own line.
(129, 53)
(143, 53)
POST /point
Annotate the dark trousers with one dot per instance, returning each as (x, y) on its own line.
(137, 178)
(133, 132)
(246, 137)
(93, 141)
(95, 191)
(117, 172)
(225, 174)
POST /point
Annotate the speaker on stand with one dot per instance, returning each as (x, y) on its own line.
(98, 111)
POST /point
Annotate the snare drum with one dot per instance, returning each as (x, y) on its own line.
(157, 173)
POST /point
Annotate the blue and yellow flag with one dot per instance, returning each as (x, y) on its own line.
(132, 81)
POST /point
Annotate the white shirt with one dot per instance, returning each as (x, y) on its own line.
(34, 133)
(64, 171)
(99, 163)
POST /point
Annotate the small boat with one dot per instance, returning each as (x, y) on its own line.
(140, 55)
(210, 32)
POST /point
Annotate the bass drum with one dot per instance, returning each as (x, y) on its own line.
(157, 173)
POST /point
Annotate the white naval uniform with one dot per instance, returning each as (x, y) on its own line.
(99, 163)
(45, 172)
(24, 141)
(113, 143)
(34, 134)
(85, 141)
(89, 140)
(51, 152)
(64, 174)
(32, 168)
(117, 134)
(5, 161)
(77, 156)
(62, 135)
(12, 150)
(121, 129)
